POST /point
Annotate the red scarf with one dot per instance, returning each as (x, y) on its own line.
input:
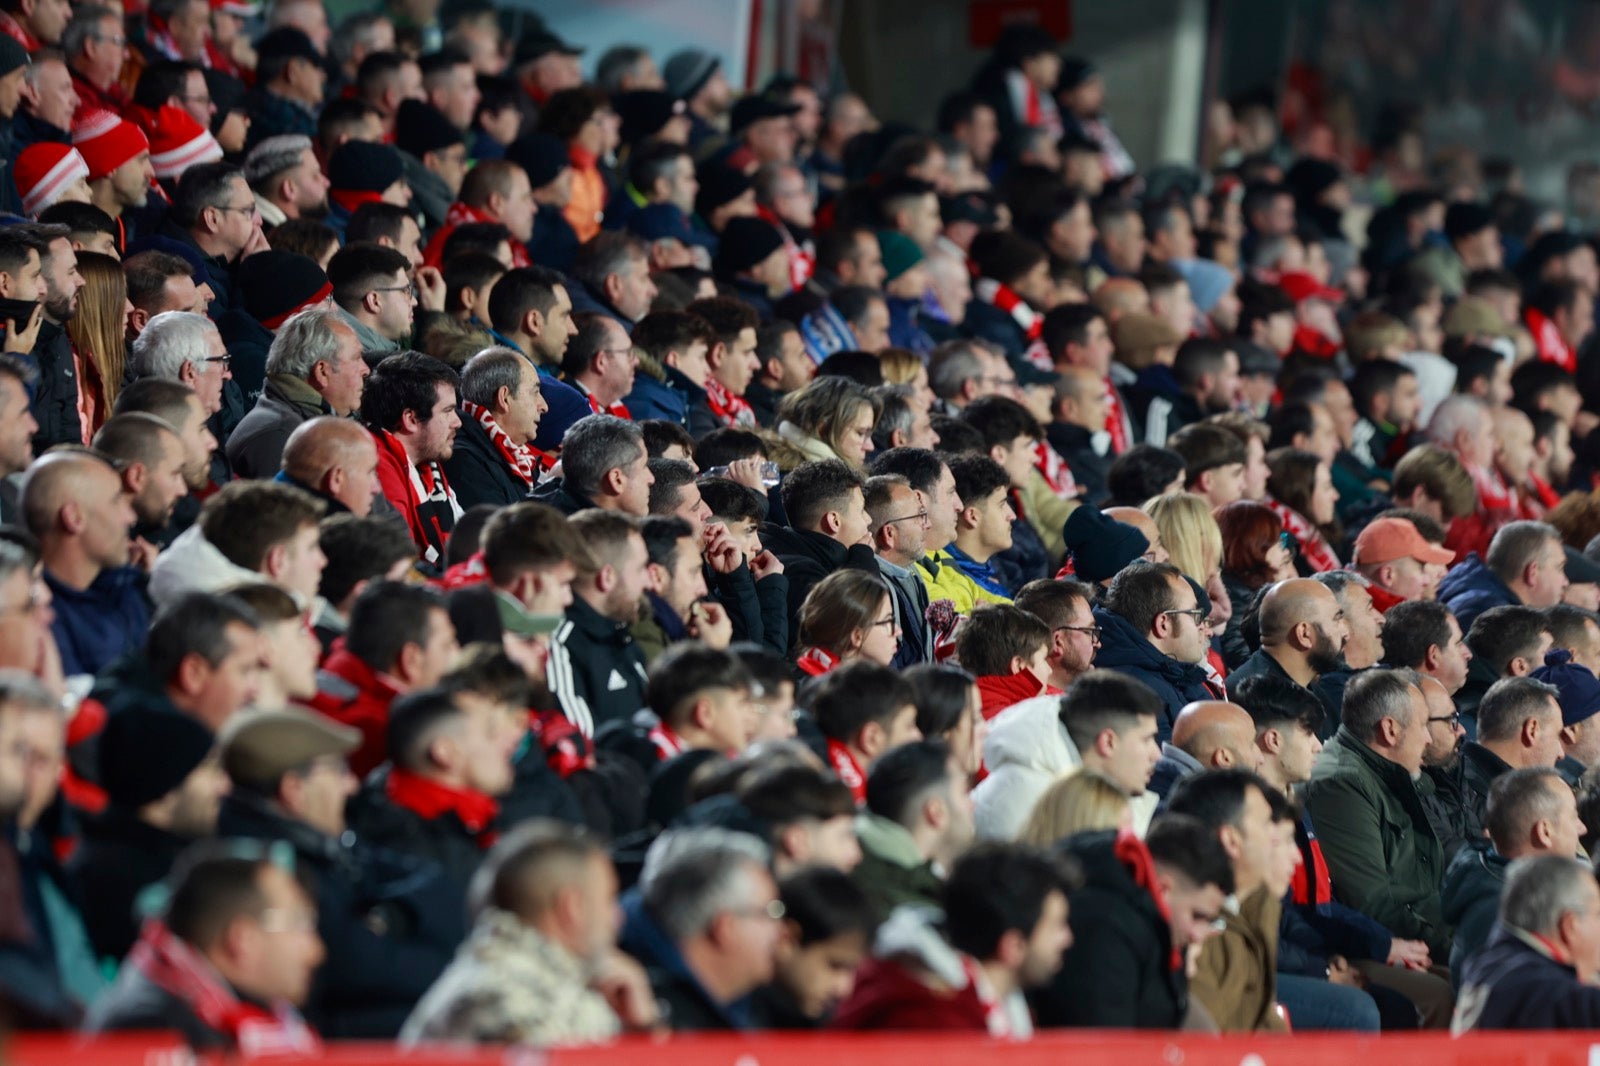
(732, 411)
(1027, 319)
(1382, 598)
(616, 410)
(455, 216)
(1135, 858)
(352, 199)
(471, 571)
(523, 459)
(1545, 496)
(429, 800)
(667, 742)
(1547, 341)
(1314, 548)
(1493, 492)
(1057, 474)
(1312, 884)
(177, 969)
(566, 749)
(849, 771)
(816, 662)
(802, 262)
(1117, 423)
(19, 33)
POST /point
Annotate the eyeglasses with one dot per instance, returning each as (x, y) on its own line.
(921, 516)
(1093, 631)
(1196, 613)
(224, 359)
(888, 622)
(1453, 719)
(412, 289)
(774, 910)
(248, 209)
(105, 38)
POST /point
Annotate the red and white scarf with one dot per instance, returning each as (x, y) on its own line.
(1314, 547)
(848, 770)
(668, 743)
(732, 411)
(1493, 492)
(815, 662)
(616, 410)
(802, 260)
(1547, 341)
(1027, 319)
(177, 969)
(1057, 474)
(459, 213)
(1117, 422)
(523, 459)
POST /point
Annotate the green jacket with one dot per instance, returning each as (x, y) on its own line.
(1373, 826)
(892, 871)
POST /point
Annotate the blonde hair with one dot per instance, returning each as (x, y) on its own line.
(1189, 532)
(98, 330)
(1078, 802)
(899, 366)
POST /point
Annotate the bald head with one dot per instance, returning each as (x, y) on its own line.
(1120, 296)
(335, 456)
(63, 479)
(1289, 603)
(1220, 735)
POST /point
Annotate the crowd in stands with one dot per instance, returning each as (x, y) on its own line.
(499, 545)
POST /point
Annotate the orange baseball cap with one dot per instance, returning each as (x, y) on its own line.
(1387, 539)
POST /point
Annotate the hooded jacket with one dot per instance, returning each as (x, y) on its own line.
(1471, 897)
(808, 557)
(1381, 849)
(193, 564)
(1120, 971)
(1025, 749)
(893, 872)
(1125, 649)
(1470, 588)
(96, 625)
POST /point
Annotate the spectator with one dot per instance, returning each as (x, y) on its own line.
(493, 459)
(533, 972)
(248, 531)
(409, 404)
(1150, 629)
(200, 969)
(1212, 735)
(214, 211)
(828, 931)
(1304, 631)
(376, 296)
(828, 529)
(983, 527)
(1507, 641)
(918, 820)
(695, 881)
(900, 525)
(1066, 608)
(848, 616)
(151, 459)
(811, 816)
(359, 550)
(314, 368)
(400, 639)
(1365, 777)
(286, 178)
(600, 363)
(1400, 564)
(336, 461)
(1530, 811)
(605, 468)
(1524, 564)
(1519, 728)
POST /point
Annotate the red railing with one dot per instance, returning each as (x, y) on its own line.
(897, 1049)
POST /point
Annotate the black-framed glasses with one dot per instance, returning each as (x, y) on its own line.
(412, 289)
(224, 359)
(1093, 631)
(889, 622)
(1453, 719)
(1196, 613)
(921, 516)
(248, 209)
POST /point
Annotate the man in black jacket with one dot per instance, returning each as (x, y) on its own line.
(828, 530)
(37, 264)
(1140, 908)
(1519, 727)
(390, 924)
(494, 460)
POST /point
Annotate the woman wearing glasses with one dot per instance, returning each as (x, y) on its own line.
(1257, 552)
(848, 615)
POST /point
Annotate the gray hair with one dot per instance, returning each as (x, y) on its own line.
(18, 687)
(273, 156)
(1515, 545)
(617, 63)
(490, 371)
(1541, 889)
(304, 341)
(1374, 695)
(952, 365)
(14, 557)
(171, 341)
(1512, 701)
(692, 875)
(1339, 582)
(1457, 413)
(40, 58)
(358, 29)
(894, 414)
(86, 19)
(596, 445)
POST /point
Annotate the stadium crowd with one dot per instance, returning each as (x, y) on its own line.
(505, 548)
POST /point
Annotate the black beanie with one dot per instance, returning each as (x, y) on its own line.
(1100, 546)
(361, 166)
(420, 128)
(12, 55)
(644, 112)
(542, 155)
(145, 754)
(276, 285)
(719, 185)
(745, 242)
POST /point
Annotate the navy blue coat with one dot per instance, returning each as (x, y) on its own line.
(1125, 649)
(1471, 588)
(1513, 985)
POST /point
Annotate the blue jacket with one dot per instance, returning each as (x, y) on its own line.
(653, 398)
(1125, 649)
(1471, 588)
(98, 624)
(1513, 984)
(904, 329)
(690, 1007)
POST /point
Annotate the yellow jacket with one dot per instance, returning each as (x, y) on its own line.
(949, 583)
(1046, 513)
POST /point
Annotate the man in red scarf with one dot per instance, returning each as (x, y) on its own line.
(496, 190)
(863, 710)
(227, 964)
(494, 460)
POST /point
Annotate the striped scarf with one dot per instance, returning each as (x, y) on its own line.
(1314, 547)
(1027, 319)
(523, 459)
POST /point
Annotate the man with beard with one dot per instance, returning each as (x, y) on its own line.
(1365, 622)
(179, 407)
(286, 179)
(1303, 636)
(150, 456)
(17, 428)
(1441, 762)
(55, 400)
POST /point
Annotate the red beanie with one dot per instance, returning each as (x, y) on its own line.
(46, 170)
(178, 142)
(107, 141)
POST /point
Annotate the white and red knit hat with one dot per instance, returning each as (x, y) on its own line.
(46, 170)
(178, 142)
(107, 141)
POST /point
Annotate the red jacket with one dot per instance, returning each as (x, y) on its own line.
(354, 694)
(1000, 691)
(1382, 598)
(888, 996)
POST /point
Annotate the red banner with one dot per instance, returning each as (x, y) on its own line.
(986, 18)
